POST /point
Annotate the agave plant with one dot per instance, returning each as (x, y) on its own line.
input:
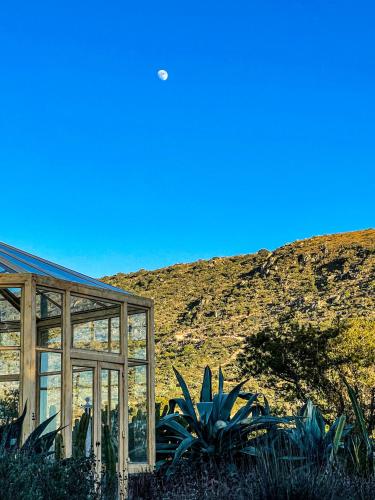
(210, 427)
(360, 446)
(312, 439)
(37, 442)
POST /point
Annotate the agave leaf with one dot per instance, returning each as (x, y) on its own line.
(30, 441)
(250, 450)
(44, 443)
(246, 395)
(205, 411)
(186, 394)
(161, 422)
(14, 431)
(180, 429)
(267, 419)
(183, 446)
(181, 402)
(243, 412)
(359, 417)
(338, 435)
(221, 381)
(227, 406)
(165, 411)
(159, 464)
(206, 391)
(218, 400)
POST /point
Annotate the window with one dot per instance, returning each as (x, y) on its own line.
(50, 388)
(49, 305)
(83, 411)
(138, 409)
(95, 324)
(137, 333)
(10, 345)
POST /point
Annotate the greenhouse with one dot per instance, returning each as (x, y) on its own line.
(82, 349)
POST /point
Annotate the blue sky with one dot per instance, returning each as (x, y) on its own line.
(263, 133)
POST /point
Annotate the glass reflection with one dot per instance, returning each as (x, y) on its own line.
(49, 318)
(10, 336)
(50, 362)
(9, 362)
(110, 400)
(9, 400)
(50, 400)
(96, 324)
(137, 334)
(137, 381)
(83, 411)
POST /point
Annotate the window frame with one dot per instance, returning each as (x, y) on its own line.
(16, 377)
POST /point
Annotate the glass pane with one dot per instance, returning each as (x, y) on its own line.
(138, 414)
(9, 400)
(10, 305)
(50, 400)
(83, 411)
(48, 304)
(96, 324)
(9, 336)
(137, 335)
(50, 362)
(5, 269)
(49, 318)
(115, 334)
(10, 316)
(91, 335)
(33, 264)
(110, 401)
(9, 362)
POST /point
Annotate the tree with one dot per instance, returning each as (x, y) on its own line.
(308, 361)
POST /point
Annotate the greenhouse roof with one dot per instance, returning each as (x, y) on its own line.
(13, 260)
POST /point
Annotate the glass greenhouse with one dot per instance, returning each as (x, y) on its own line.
(72, 345)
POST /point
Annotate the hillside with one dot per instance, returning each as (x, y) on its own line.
(203, 310)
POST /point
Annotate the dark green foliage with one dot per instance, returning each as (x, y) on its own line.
(80, 434)
(36, 443)
(312, 440)
(310, 361)
(271, 480)
(361, 447)
(35, 477)
(34, 472)
(213, 427)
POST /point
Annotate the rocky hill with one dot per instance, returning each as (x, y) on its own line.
(203, 310)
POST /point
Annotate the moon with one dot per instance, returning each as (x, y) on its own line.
(163, 74)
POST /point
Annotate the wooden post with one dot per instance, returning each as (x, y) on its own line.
(28, 356)
(66, 417)
(151, 389)
(125, 403)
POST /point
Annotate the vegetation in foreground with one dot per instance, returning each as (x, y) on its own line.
(31, 471)
(230, 445)
(248, 481)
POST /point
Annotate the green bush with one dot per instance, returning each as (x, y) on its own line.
(26, 476)
(32, 471)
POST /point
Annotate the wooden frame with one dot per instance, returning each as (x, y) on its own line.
(29, 352)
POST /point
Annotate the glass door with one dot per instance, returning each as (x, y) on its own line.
(110, 379)
(97, 412)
